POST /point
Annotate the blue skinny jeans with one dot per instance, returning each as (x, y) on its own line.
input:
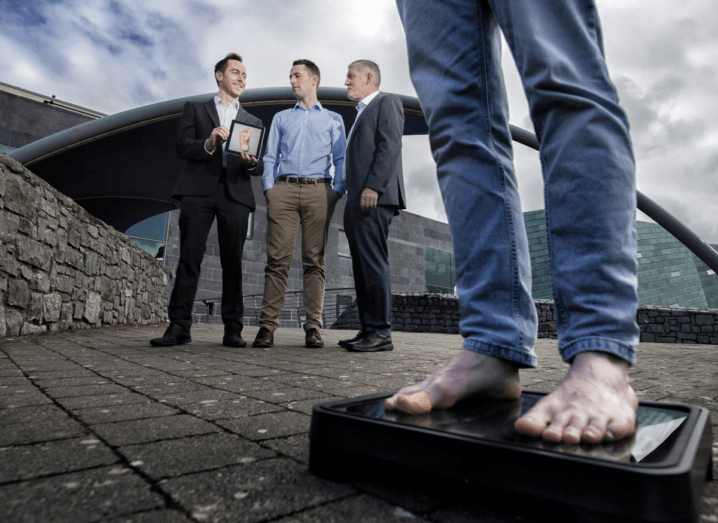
(587, 162)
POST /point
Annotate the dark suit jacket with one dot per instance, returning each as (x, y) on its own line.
(374, 152)
(201, 171)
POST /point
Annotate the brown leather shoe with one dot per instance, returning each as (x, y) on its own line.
(265, 338)
(314, 339)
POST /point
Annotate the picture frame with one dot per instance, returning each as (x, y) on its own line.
(245, 138)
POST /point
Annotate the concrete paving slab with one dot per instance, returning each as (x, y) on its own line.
(237, 408)
(268, 426)
(158, 445)
(177, 457)
(79, 497)
(115, 413)
(154, 429)
(53, 457)
(253, 492)
(22, 433)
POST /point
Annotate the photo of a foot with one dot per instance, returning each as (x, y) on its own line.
(244, 137)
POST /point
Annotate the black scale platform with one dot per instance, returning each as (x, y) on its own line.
(654, 476)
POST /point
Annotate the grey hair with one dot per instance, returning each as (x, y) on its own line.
(372, 66)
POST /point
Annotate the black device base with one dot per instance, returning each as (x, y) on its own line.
(474, 442)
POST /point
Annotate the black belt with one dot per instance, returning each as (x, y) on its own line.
(304, 180)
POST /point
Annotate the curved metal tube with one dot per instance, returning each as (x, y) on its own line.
(662, 217)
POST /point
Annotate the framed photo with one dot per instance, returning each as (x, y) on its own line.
(245, 138)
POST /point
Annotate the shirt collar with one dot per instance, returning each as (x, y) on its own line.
(317, 106)
(219, 101)
(366, 101)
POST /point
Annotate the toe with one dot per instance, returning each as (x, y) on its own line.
(555, 430)
(390, 403)
(595, 431)
(532, 424)
(573, 432)
(619, 429)
(417, 403)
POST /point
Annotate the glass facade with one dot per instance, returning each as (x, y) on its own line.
(6, 149)
(668, 273)
(151, 234)
(439, 271)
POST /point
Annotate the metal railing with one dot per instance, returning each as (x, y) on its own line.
(292, 315)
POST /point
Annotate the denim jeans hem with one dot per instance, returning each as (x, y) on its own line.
(520, 357)
(598, 345)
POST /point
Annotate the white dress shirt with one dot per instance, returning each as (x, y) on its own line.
(227, 114)
(360, 107)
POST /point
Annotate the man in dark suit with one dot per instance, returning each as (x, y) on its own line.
(212, 184)
(375, 193)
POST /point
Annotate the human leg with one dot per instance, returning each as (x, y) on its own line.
(582, 104)
(232, 223)
(316, 210)
(195, 221)
(370, 232)
(455, 60)
(282, 230)
(357, 267)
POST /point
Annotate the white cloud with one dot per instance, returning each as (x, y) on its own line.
(113, 55)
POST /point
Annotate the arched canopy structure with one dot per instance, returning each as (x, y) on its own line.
(122, 168)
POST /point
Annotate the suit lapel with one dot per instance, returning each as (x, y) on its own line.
(212, 111)
(360, 117)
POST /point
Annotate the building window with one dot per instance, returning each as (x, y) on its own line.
(343, 247)
(439, 271)
(151, 235)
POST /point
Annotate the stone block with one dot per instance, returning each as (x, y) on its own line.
(79, 310)
(20, 197)
(65, 284)
(34, 253)
(28, 329)
(34, 311)
(92, 307)
(40, 282)
(9, 224)
(66, 316)
(654, 329)
(51, 307)
(704, 319)
(18, 293)
(14, 321)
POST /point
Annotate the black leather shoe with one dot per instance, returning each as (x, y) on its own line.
(174, 335)
(313, 339)
(265, 338)
(360, 336)
(372, 342)
(233, 337)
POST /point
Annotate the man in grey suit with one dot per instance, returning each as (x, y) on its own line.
(375, 189)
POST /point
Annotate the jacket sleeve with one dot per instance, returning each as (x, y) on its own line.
(189, 145)
(387, 154)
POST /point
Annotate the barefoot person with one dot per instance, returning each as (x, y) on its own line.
(588, 168)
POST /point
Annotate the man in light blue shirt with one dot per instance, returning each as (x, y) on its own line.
(303, 143)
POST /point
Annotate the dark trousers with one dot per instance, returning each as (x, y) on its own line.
(367, 233)
(196, 217)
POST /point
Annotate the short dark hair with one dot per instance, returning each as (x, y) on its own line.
(221, 66)
(372, 66)
(311, 66)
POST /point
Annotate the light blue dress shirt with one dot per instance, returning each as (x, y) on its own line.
(304, 143)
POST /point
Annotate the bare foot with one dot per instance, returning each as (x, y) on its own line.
(594, 403)
(468, 374)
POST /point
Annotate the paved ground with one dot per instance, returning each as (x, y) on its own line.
(100, 426)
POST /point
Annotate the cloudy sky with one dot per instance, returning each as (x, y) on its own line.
(113, 55)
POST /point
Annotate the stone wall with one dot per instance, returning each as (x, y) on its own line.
(61, 268)
(440, 313)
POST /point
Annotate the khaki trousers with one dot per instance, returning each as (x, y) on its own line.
(290, 205)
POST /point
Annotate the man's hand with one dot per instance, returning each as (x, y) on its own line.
(369, 198)
(218, 137)
(248, 160)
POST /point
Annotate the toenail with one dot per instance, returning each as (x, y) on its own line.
(610, 436)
